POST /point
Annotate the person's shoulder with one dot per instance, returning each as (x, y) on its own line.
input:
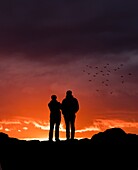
(63, 100)
(76, 101)
(75, 98)
(49, 103)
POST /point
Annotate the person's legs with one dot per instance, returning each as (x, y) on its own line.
(57, 131)
(51, 130)
(67, 128)
(73, 127)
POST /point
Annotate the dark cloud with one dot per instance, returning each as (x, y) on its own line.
(40, 28)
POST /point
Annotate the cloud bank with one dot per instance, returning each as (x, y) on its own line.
(39, 29)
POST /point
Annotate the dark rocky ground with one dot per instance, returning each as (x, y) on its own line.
(112, 149)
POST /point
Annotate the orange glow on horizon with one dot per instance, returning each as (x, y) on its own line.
(29, 129)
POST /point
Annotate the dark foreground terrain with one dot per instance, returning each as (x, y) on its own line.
(112, 149)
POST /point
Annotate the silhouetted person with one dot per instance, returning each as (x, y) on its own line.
(55, 117)
(70, 106)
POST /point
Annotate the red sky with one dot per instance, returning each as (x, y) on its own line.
(26, 88)
(48, 47)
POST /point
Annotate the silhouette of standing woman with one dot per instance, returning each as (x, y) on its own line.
(70, 106)
(55, 117)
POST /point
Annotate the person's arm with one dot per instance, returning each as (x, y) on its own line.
(77, 105)
(49, 106)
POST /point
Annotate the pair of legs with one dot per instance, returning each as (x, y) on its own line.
(70, 126)
(54, 124)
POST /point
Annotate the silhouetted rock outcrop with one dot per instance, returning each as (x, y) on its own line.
(110, 136)
(112, 149)
(3, 136)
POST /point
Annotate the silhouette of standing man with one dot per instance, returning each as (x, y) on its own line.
(55, 117)
(70, 107)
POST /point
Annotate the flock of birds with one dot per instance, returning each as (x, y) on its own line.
(104, 75)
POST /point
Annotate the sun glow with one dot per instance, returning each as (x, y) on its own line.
(30, 129)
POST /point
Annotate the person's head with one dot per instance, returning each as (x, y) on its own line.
(53, 97)
(68, 93)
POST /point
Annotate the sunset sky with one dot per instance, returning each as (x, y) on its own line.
(50, 46)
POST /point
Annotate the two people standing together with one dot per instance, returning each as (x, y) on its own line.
(68, 107)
